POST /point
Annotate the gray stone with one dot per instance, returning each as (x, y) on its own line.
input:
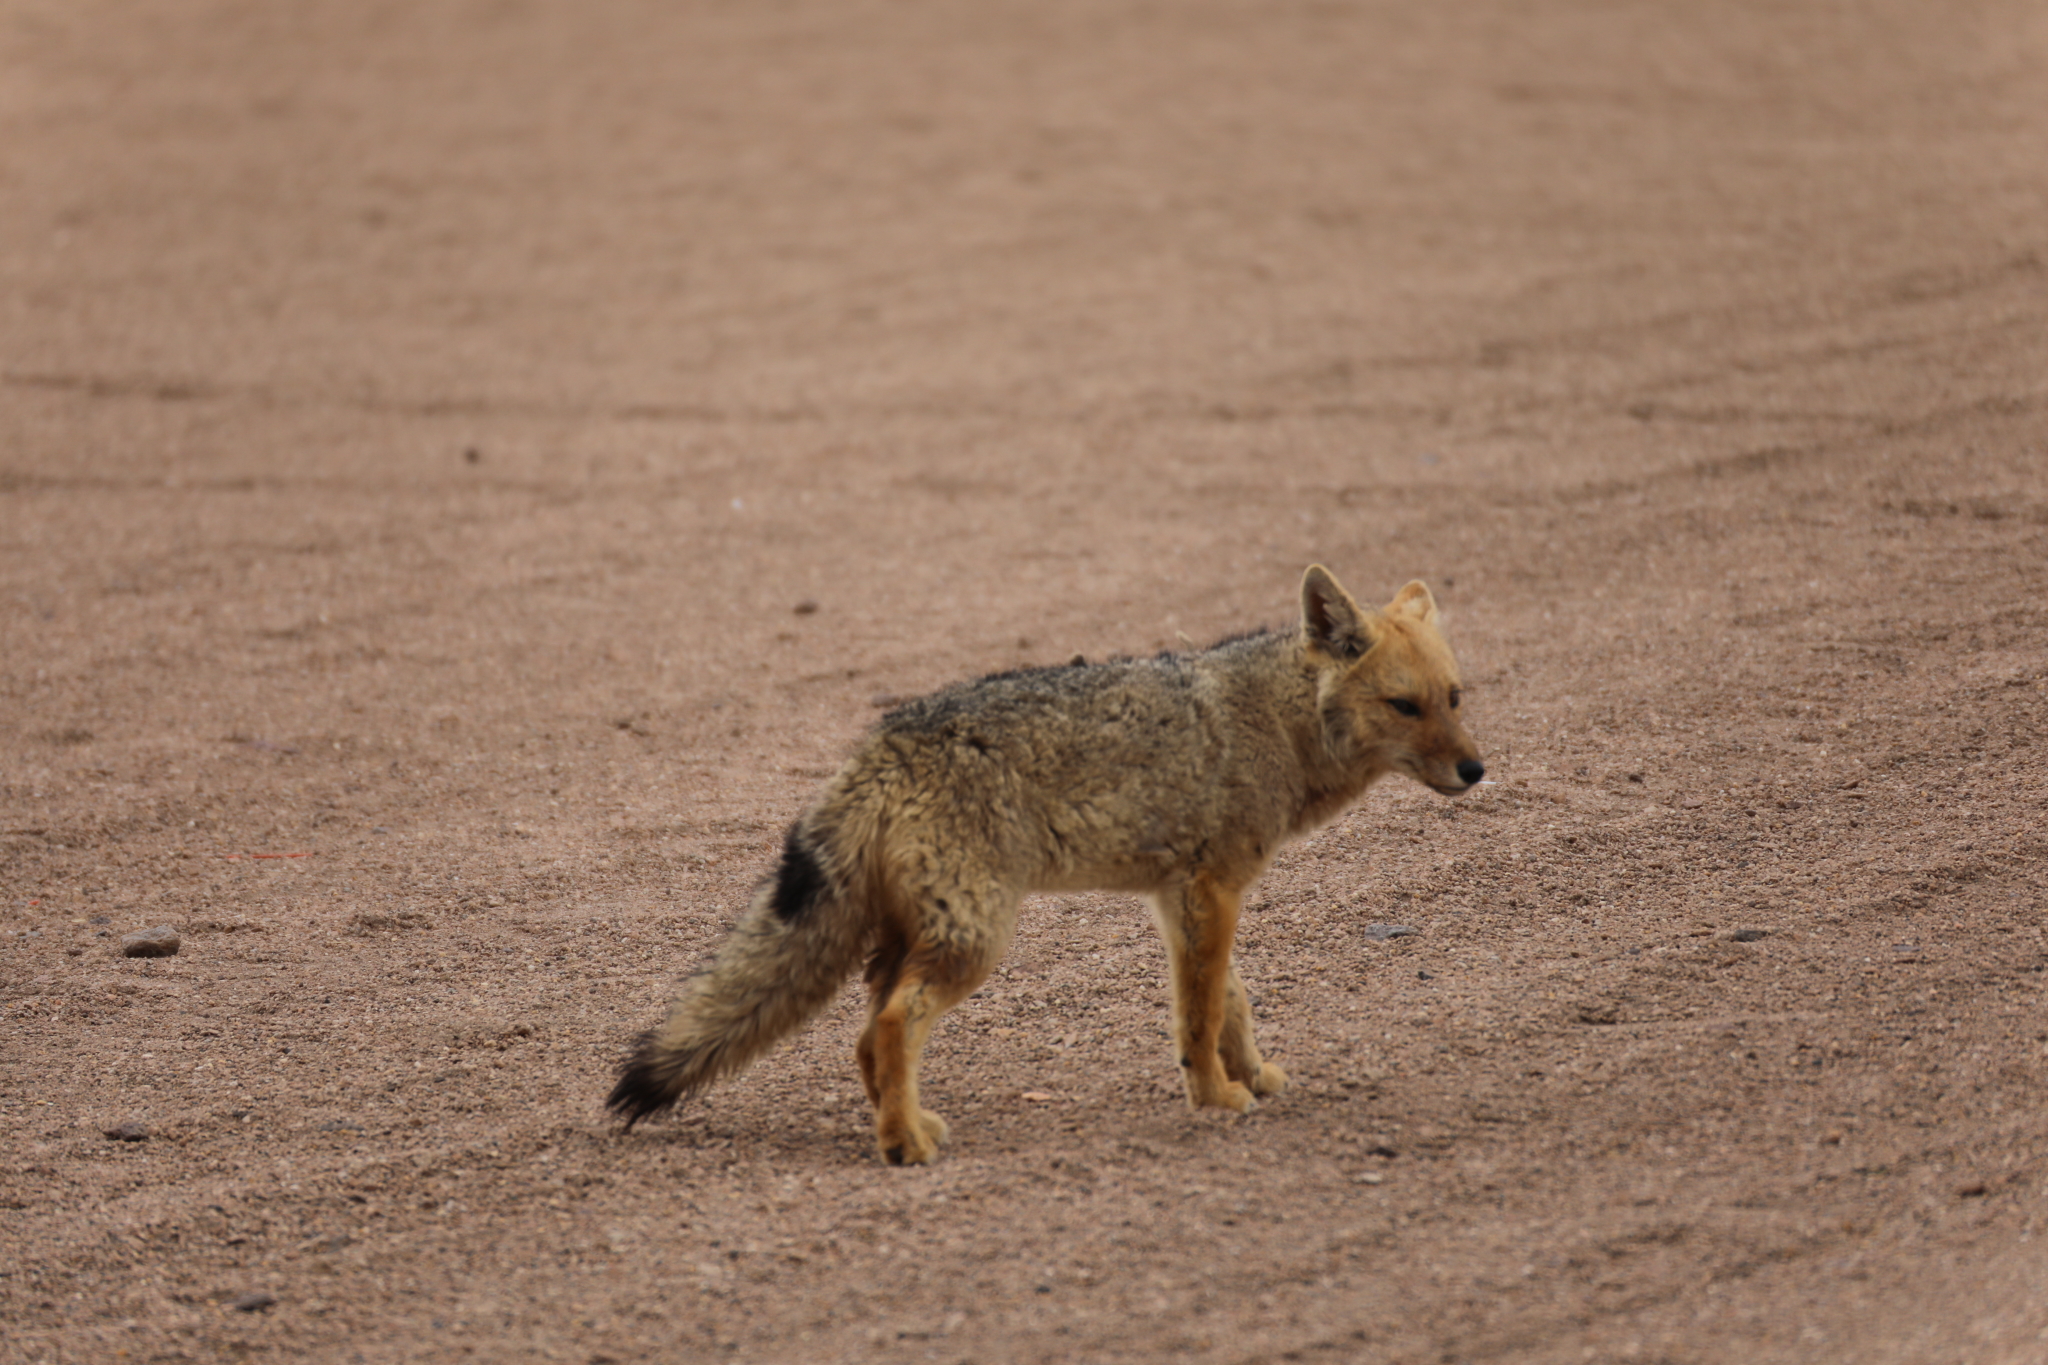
(161, 941)
(1380, 933)
(130, 1131)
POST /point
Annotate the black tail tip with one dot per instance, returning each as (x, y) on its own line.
(640, 1092)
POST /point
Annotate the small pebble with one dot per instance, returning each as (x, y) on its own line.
(1741, 935)
(1380, 933)
(807, 607)
(161, 941)
(1367, 1178)
(254, 1301)
(130, 1131)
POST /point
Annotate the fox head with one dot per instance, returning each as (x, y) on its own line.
(1387, 688)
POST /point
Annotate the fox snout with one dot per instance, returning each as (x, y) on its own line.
(1463, 776)
(1447, 761)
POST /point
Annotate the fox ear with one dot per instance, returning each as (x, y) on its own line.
(1330, 620)
(1414, 601)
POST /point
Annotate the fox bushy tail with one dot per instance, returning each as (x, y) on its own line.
(783, 962)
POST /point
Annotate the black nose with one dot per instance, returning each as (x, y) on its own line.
(1471, 770)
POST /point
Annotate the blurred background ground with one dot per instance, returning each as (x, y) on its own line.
(504, 452)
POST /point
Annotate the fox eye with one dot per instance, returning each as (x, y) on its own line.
(1457, 695)
(1404, 706)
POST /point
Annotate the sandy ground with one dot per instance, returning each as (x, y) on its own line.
(420, 424)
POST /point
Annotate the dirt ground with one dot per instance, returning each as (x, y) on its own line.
(469, 468)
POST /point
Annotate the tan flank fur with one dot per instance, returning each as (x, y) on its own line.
(1177, 776)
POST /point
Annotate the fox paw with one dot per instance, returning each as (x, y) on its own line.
(1271, 1080)
(1229, 1095)
(915, 1144)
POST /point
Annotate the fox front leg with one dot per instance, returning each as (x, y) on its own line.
(1241, 1057)
(1198, 919)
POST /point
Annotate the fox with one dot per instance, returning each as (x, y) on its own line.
(1176, 777)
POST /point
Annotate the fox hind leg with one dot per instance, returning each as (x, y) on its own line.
(891, 1046)
(910, 986)
(884, 969)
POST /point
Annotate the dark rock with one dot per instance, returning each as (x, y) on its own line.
(130, 1131)
(1380, 933)
(255, 1301)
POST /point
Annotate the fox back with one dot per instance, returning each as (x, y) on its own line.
(1122, 775)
